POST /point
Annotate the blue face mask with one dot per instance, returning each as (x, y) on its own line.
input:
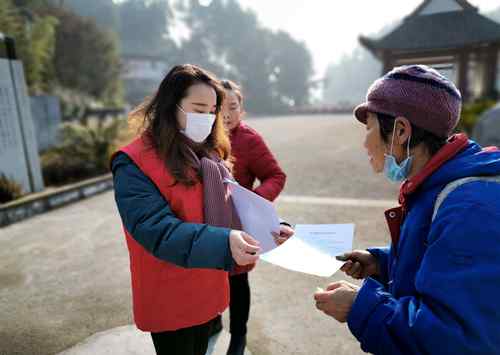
(392, 170)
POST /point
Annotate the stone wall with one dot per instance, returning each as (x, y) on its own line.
(47, 119)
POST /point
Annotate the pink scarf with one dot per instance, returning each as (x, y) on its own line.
(218, 206)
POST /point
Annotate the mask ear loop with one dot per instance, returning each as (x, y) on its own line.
(392, 141)
(180, 108)
(408, 147)
(393, 134)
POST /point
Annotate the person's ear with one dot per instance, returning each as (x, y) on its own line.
(403, 130)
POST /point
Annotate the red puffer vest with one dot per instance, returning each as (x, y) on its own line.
(165, 296)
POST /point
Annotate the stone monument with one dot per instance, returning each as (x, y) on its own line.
(19, 158)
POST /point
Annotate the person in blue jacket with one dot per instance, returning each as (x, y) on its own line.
(434, 290)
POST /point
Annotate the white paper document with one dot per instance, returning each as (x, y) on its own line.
(313, 248)
(257, 215)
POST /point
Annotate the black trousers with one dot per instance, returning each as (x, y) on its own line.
(239, 306)
(186, 341)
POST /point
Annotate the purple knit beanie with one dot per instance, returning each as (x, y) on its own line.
(419, 93)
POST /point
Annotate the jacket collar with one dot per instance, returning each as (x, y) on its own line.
(395, 216)
(237, 128)
(455, 145)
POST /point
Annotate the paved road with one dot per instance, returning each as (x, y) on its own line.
(64, 275)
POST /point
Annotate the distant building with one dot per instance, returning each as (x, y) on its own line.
(143, 67)
(451, 36)
(142, 74)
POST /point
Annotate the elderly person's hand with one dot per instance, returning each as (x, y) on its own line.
(337, 300)
(359, 264)
(285, 233)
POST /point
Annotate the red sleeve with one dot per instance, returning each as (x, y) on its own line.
(264, 166)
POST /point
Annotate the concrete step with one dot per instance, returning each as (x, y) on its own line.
(128, 340)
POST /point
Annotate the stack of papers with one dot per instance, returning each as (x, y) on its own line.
(311, 250)
(257, 215)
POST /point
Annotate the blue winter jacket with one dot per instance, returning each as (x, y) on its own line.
(439, 286)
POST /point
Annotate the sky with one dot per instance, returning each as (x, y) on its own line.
(330, 28)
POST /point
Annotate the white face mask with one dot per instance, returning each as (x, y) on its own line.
(198, 125)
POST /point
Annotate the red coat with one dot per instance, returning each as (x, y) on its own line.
(254, 161)
(166, 296)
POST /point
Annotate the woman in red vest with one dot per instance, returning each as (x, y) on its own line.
(252, 161)
(181, 229)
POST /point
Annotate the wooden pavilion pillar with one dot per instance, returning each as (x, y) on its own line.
(490, 73)
(388, 62)
(462, 63)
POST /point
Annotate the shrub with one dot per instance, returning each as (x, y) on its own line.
(83, 153)
(9, 189)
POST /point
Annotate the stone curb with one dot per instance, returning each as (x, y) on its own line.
(45, 201)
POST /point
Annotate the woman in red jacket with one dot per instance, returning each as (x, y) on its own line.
(252, 161)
